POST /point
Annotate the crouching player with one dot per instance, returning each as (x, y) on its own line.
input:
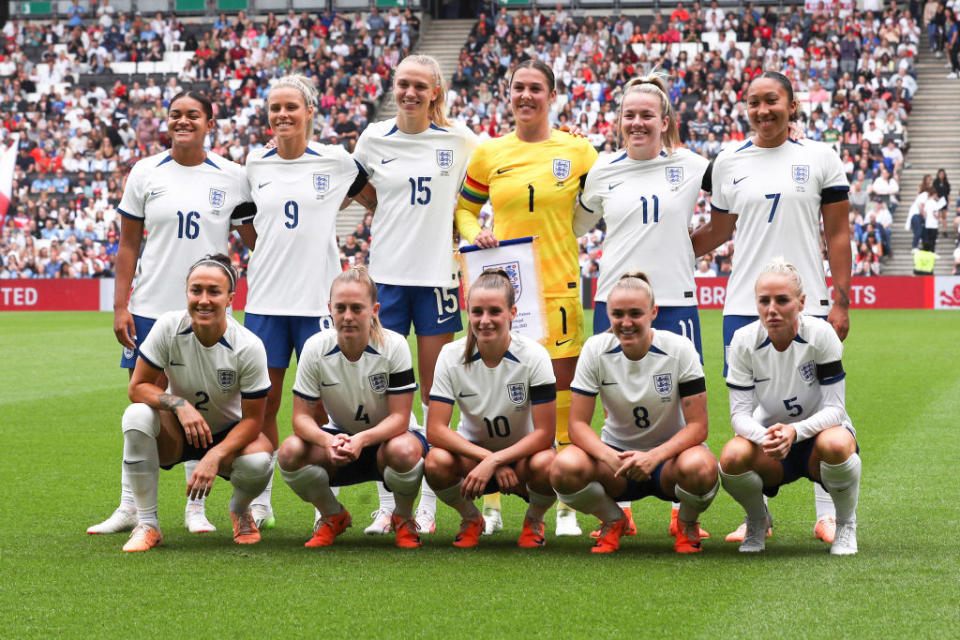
(211, 412)
(504, 385)
(363, 376)
(788, 410)
(652, 388)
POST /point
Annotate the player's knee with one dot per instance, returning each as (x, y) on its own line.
(835, 445)
(141, 417)
(736, 455)
(402, 452)
(698, 469)
(291, 454)
(438, 468)
(568, 469)
(253, 467)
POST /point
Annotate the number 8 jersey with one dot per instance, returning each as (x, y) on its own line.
(296, 257)
(495, 403)
(186, 213)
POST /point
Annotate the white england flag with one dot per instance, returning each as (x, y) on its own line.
(518, 257)
(8, 158)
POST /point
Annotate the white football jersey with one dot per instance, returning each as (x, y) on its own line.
(212, 379)
(186, 212)
(417, 178)
(647, 205)
(776, 195)
(786, 385)
(642, 397)
(495, 403)
(354, 394)
(296, 257)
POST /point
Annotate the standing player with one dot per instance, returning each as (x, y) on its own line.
(211, 412)
(654, 395)
(186, 199)
(298, 188)
(532, 178)
(363, 376)
(416, 163)
(646, 193)
(506, 391)
(774, 191)
(787, 407)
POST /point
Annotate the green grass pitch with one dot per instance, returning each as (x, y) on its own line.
(62, 394)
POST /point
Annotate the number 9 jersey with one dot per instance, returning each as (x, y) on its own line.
(187, 213)
(296, 256)
(495, 403)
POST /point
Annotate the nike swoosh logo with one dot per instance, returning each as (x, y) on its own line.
(611, 187)
(176, 364)
(606, 384)
(499, 171)
(740, 180)
(332, 384)
(385, 161)
(560, 343)
(466, 395)
(756, 380)
(263, 184)
(157, 193)
(442, 320)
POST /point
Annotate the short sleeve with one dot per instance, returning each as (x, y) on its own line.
(739, 362)
(245, 209)
(156, 348)
(442, 388)
(586, 379)
(718, 197)
(590, 198)
(307, 383)
(400, 368)
(689, 363)
(541, 367)
(361, 152)
(834, 177)
(254, 380)
(349, 167)
(132, 201)
(588, 157)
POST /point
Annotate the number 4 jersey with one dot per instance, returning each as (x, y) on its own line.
(186, 213)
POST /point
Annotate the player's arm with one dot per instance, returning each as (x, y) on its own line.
(131, 232)
(242, 217)
(244, 432)
(717, 231)
(694, 432)
(474, 193)
(589, 209)
(395, 424)
(143, 388)
(360, 190)
(440, 435)
(836, 231)
(742, 404)
(305, 425)
(582, 434)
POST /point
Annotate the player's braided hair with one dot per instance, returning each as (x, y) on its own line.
(655, 85)
(358, 274)
(496, 279)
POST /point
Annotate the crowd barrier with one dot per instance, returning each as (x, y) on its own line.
(882, 292)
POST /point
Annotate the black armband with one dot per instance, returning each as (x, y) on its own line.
(834, 194)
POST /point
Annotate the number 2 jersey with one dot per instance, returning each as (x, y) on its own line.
(296, 256)
(642, 397)
(533, 188)
(417, 178)
(212, 379)
(647, 205)
(354, 394)
(776, 194)
(187, 213)
(495, 404)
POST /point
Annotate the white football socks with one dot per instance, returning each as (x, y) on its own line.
(405, 485)
(263, 499)
(539, 503)
(312, 484)
(593, 499)
(691, 504)
(451, 496)
(747, 489)
(142, 465)
(843, 482)
(249, 475)
(188, 467)
(823, 502)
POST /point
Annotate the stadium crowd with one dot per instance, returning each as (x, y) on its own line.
(853, 72)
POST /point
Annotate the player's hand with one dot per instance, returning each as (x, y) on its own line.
(485, 239)
(779, 440)
(839, 319)
(124, 328)
(574, 131)
(795, 131)
(335, 450)
(201, 480)
(636, 465)
(476, 481)
(351, 447)
(195, 428)
(508, 480)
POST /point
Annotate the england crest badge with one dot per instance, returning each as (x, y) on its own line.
(517, 392)
(561, 168)
(445, 158)
(321, 182)
(663, 383)
(226, 378)
(513, 272)
(378, 382)
(801, 173)
(808, 371)
(217, 197)
(674, 177)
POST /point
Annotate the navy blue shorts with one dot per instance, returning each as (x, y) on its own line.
(191, 452)
(364, 468)
(142, 326)
(797, 465)
(282, 335)
(639, 490)
(432, 310)
(683, 321)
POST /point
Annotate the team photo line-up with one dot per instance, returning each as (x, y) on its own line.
(206, 390)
